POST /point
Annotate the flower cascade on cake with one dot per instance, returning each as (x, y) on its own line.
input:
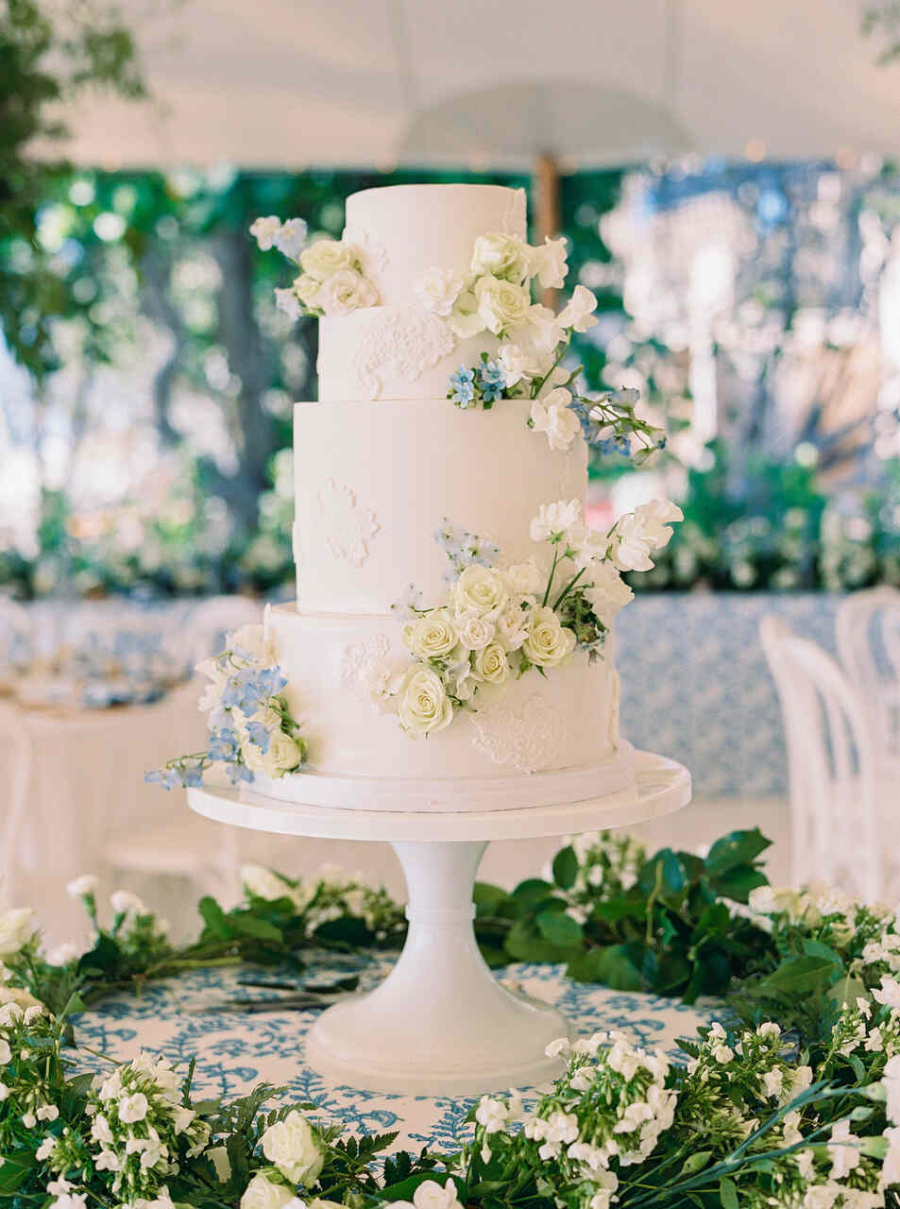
(501, 622)
(251, 729)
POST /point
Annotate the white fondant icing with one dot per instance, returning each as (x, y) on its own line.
(416, 464)
(430, 226)
(528, 738)
(347, 526)
(358, 657)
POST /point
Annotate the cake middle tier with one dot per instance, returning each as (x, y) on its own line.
(376, 482)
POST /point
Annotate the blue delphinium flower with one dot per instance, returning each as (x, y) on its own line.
(462, 386)
(223, 745)
(238, 772)
(164, 777)
(258, 736)
(492, 381)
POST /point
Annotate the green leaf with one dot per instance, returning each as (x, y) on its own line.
(261, 929)
(738, 883)
(489, 900)
(525, 943)
(560, 928)
(736, 848)
(406, 1188)
(104, 958)
(214, 918)
(696, 1162)
(664, 868)
(615, 966)
(532, 891)
(799, 976)
(565, 868)
(728, 1195)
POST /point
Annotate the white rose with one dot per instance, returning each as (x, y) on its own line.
(608, 593)
(326, 257)
(282, 756)
(548, 263)
(501, 304)
(498, 255)
(125, 903)
(578, 315)
(16, 929)
(81, 887)
(263, 883)
(433, 636)
(554, 417)
(288, 302)
(525, 579)
(548, 643)
(290, 238)
(292, 1146)
(424, 707)
(491, 663)
(264, 231)
(554, 519)
(264, 1194)
(251, 640)
(307, 287)
(512, 628)
(481, 591)
(476, 632)
(438, 290)
(465, 319)
(344, 292)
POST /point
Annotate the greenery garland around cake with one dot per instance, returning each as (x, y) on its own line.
(792, 1099)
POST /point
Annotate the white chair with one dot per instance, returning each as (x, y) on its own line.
(838, 823)
(868, 641)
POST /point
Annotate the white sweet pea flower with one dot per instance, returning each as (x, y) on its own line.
(81, 887)
(553, 416)
(843, 1150)
(608, 592)
(491, 1114)
(69, 1200)
(133, 1108)
(344, 292)
(16, 929)
(438, 291)
(589, 546)
(890, 1170)
(772, 1081)
(560, 1048)
(430, 1195)
(547, 262)
(465, 319)
(288, 302)
(5, 1052)
(889, 994)
(501, 304)
(891, 1084)
(723, 1054)
(262, 1193)
(578, 314)
(655, 518)
(290, 238)
(294, 1149)
(264, 231)
(517, 363)
(554, 519)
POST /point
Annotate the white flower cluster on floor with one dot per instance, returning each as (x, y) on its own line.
(333, 280)
(498, 623)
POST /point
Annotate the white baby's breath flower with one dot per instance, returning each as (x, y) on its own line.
(16, 929)
(293, 1147)
(578, 314)
(547, 262)
(438, 290)
(554, 519)
(81, 887)
(264, 231)
(501, 304)
(553, 416)
(548, 643)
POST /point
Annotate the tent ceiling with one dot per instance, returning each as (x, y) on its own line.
(291, 83)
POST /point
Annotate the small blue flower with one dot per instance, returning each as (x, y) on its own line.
(492, 381)
(163, 777)
(258, 736)
(223, 745)
(462, 386)
(239, 772)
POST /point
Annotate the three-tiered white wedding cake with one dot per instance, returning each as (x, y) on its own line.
(383, 463)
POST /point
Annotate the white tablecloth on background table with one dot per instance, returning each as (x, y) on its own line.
(235, 1051)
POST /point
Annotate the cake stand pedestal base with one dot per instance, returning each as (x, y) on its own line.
(440, 1023)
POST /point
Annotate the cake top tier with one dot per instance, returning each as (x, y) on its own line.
(402, 231)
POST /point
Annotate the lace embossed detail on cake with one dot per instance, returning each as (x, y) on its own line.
(409, 340)
(349, 527)
(515, 216)
(373, 256)
(528, 738)
(357, 658)
(614, 714)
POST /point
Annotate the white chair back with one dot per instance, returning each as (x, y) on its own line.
(868, 639)
(831, 758)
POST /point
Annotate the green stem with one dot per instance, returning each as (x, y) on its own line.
(566, 590)
(552, 573)
(536, 390)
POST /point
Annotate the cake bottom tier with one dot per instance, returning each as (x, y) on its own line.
(537, 740)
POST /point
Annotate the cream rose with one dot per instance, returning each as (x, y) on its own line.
(476, 632)
(326, 257)
(307, 287)
(438, 290)
(525, 579)
(480, 591)
(500, 255)
(264, 1194)
(293, 1147)
(491, 663)
(548, 643)
(282, 756)
(16, 928)
(554, 417)
(433, 636)
(344, 292)
(501, 304)
(465, 319)
(424, 707)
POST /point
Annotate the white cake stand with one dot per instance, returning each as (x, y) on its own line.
(440, 1023)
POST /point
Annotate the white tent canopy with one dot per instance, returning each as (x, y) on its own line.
(477, 83)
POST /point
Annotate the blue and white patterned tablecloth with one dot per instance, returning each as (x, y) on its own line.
(235, 1051)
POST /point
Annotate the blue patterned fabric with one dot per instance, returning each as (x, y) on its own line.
(234, 1051)
(695, 685)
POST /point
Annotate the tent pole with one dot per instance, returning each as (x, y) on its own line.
(545, 182)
